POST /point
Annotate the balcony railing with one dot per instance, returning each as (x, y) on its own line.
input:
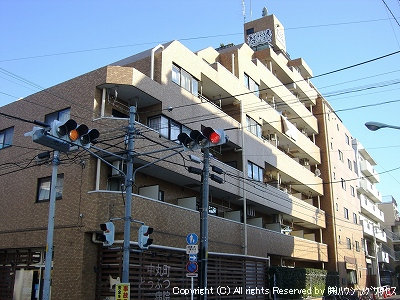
(369, 171)
(371, 209)
(369, 190)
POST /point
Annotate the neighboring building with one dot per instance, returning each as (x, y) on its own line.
(344, 231)
(371, 216)
(268, 211)
(390, 272)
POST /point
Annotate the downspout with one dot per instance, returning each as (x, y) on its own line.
(152, 59)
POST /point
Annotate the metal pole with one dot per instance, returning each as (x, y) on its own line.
(128, 201)
(50, 228)
(204, 224)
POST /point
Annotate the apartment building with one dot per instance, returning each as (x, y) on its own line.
(268, 211)
(371, 217)
(339, 171)
(390, 257)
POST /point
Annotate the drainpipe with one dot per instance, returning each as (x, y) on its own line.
(152, 60)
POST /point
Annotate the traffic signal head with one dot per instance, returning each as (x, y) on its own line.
(212, 136)
(108, 233)
(208, 137)
(144, 239)
(70, 131)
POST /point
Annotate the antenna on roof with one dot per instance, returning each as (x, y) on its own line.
(244, 11)
(264, 12)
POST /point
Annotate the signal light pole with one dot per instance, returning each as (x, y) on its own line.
(204, 224)
(50, 228)
(128, 201)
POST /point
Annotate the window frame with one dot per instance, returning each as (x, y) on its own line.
(346, 213)
(254, 167)
(58, 114)
(250, 124)
(251, 85)
(190, 84)
(166, 126)
(348, 243)
(340, 155)
(6, 137)
(45, 180)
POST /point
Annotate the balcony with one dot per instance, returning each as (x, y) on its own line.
(285, 245)
(368, 228)
(371, 210)
(165, 217)
(368, 170)
(380, 234)
(369, 190)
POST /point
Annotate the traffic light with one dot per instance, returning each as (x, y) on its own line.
(108, 233)
(144, 239)
(70, 131)
(208, 137)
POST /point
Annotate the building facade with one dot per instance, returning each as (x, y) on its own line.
(371, 217)
(389, 268)
(339, 171)
(290, 194)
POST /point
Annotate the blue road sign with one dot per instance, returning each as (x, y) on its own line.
(192, 239)
(192, 267)
(193, 257)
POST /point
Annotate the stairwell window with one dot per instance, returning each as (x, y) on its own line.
(251, 85)
(60, 115)
(167, 127)
(253, 127)
(6, 137)
(184, 79)
(44, 185)
(255, 172)
(348, 243)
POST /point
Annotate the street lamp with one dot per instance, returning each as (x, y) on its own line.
(376, 125)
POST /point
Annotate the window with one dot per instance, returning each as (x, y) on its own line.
(250, 31)
(355, 219)
(353, 191)
(357, 246)
(184, 79)
(346, 213)
(167, 127)
(347, 139)
(6, 137)
(255, 172)
(44, 184)
(253, 127)
(348, 243)
(340, 155)
(337, 206)
(61, 115)
(343, 183)
(251, 85)
(350, 164)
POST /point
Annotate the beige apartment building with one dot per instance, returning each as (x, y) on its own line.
(371, 216)
(339, 171)
(269, 211)
(390, 251)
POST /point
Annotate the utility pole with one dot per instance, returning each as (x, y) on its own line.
(50, 227)
(204, 224)
(128, 201)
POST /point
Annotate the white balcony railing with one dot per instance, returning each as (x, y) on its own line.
(371, 209)
(369, 190)
(369, 171)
